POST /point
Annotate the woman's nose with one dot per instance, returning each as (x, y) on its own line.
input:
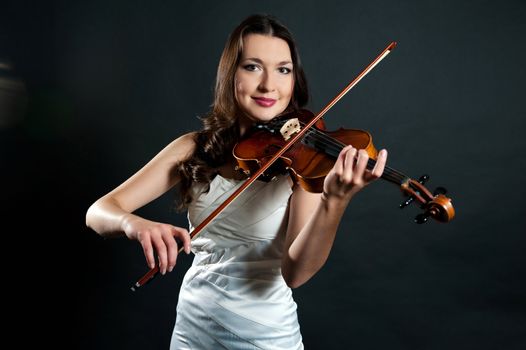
(267, 83)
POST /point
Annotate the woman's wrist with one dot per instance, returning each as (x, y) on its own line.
(334, 201)
(126, 221)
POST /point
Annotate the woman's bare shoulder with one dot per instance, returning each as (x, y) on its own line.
(182, 148)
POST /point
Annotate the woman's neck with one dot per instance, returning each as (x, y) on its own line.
(244, 125)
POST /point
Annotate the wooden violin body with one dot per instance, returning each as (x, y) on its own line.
(308, 165)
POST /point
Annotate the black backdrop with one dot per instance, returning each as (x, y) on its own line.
(95, 89)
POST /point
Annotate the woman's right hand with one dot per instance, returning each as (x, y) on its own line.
(157, 238)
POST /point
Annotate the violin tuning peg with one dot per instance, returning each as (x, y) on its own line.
(421, 218)
(423, 179)
(439, 190)
(408, 201)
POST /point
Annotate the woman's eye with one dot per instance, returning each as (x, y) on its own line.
(284, 70)
(250, 67)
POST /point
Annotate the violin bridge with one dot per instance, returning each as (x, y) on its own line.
(290, 127)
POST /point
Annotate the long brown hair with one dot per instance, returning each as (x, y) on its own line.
(220, 128)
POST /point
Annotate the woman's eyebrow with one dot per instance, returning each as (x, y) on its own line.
(258, 60)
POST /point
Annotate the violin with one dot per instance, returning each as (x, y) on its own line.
(310, 160)
(300, 143)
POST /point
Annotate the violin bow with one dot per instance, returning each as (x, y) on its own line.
(154, 271)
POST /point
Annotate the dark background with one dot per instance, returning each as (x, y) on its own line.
(97, 88)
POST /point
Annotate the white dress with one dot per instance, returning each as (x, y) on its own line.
(233, 296)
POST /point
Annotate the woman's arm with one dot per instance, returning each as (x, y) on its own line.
(314, 218)
(112, 214)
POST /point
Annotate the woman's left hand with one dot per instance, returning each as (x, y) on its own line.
(350, 174)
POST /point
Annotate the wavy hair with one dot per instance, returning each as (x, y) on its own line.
(220, 130)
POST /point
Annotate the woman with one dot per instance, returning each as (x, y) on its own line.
(275, 236)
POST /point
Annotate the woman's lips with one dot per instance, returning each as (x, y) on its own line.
(264, 102)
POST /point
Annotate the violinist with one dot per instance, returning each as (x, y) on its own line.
(274, 237)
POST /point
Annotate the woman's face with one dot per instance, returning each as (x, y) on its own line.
(264, 80)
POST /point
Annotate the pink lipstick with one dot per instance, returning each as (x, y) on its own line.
(264, 102)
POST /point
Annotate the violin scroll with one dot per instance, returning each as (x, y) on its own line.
(435, 205)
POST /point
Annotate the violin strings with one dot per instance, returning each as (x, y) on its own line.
(390, 174)
(333, 147)
(330, 144)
